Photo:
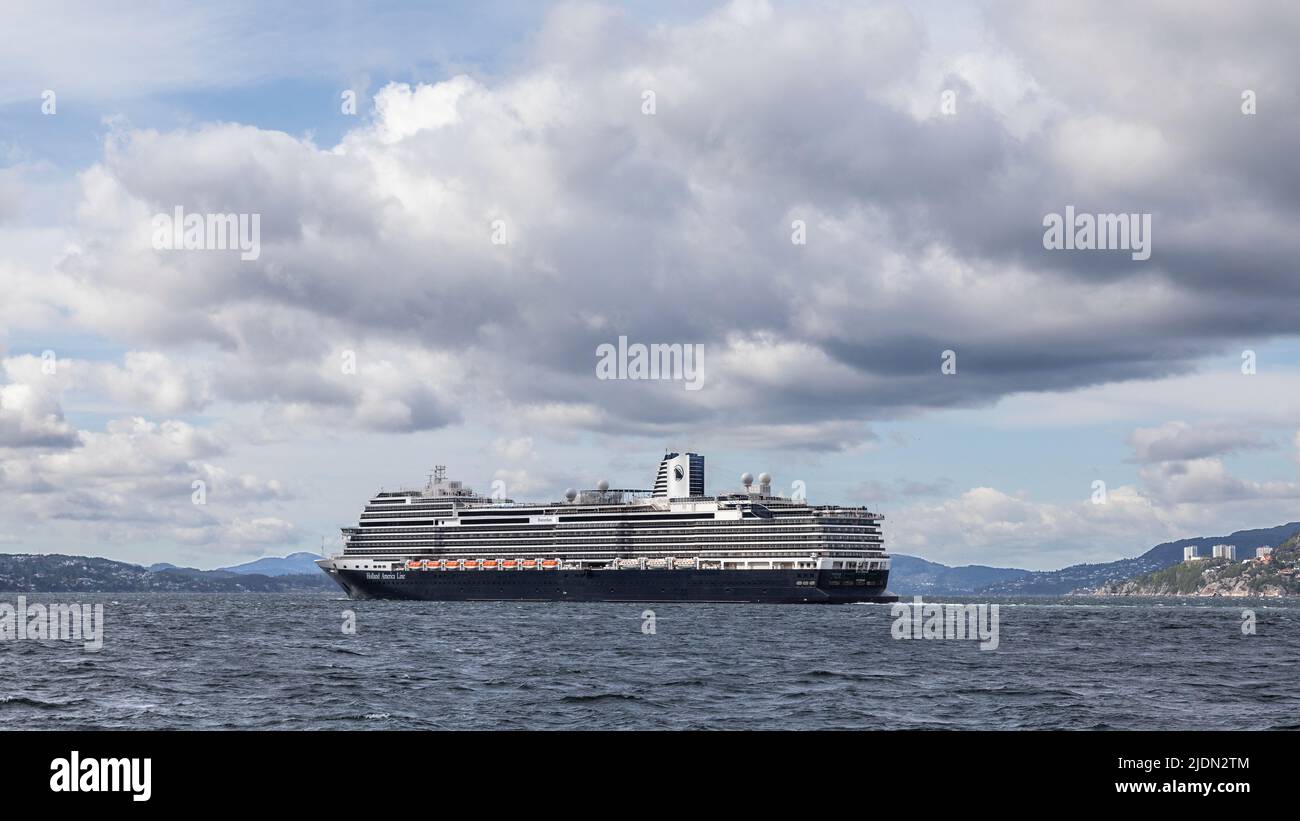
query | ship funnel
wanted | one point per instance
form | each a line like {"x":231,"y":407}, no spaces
{"x":680,"y":475}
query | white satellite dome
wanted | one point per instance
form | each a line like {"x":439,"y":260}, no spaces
{"x":747,"y":479}
{"x":602,"y":485}
{"x":765,"y":478}
{"x":570,"y":494}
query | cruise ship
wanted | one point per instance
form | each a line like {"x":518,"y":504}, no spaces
{"x":666,"y":544}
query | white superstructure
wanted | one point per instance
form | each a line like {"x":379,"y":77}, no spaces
{"x":446,"y":526}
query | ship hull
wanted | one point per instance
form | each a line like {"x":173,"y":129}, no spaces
{"x":686,"y":585}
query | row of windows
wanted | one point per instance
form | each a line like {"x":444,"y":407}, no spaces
{"x":686,"y":519}
{"x":605,"y":555}
{"x":543,"y":532}
{"x":786,"y":545}
{"x":674,"y":531}
{"x":535,"y":538}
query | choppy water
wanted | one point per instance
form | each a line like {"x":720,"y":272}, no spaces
{"x":283,"y":662}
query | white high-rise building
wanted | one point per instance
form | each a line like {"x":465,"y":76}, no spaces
{"x":1225,"y":551}
{"x":1192,"y":553}
{"x":1263,"y":552}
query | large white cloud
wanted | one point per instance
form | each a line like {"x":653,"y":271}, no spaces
{"x":923,"y":231}
{"x":988,"y":526}
{"x":31,"y":418}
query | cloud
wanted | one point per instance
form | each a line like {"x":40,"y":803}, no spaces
{"x":873,"y":492}
{"x":265,"y":530}
{"x":27,"y":419}
{"x":1176,"y":441}
{"x":145,"y":382}
{"x":30,"y":414}
{"x":1181,"y":464}
{"x":988,"y":526}
{"x":138,"y":479}
{"x":1207,"y":481}
{"x":89,"y":53}
{"x":515,"y":450}
{"x":924,"y":232}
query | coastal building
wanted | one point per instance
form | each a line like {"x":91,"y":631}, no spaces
{"x":1263,"y":552}
{"x":1225,"y":551}
{"x":1192,"y":553}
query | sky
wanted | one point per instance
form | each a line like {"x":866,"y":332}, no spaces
{"x":840,"y":205}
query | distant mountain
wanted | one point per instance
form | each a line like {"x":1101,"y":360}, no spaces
{"x":911,"y":576}
{"x":293,"y":564}
{"x":26,"y":573}
{"x":1088,"y":577}
{"x":154,"y":568}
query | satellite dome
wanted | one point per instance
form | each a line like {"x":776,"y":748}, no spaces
{"x":747,"y":479}
{"x":602,"y":485}
{"x":765,"y":478}
{"x":570,"y":494}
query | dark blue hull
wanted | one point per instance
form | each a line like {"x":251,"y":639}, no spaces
{"x":771,"y":586}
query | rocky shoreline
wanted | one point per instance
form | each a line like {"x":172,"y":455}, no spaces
{"x":1238,"y":589}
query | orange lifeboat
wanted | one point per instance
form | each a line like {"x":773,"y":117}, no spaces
{"x":451,"y":564}
{"x":530,"y":563}
{"x":470,"y":564}
{"x":509,"y":564}
{"x":489,"y":564}
{"x":432,"y":564}
{"x":415,"y":565}
{"x":550,"y":564}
